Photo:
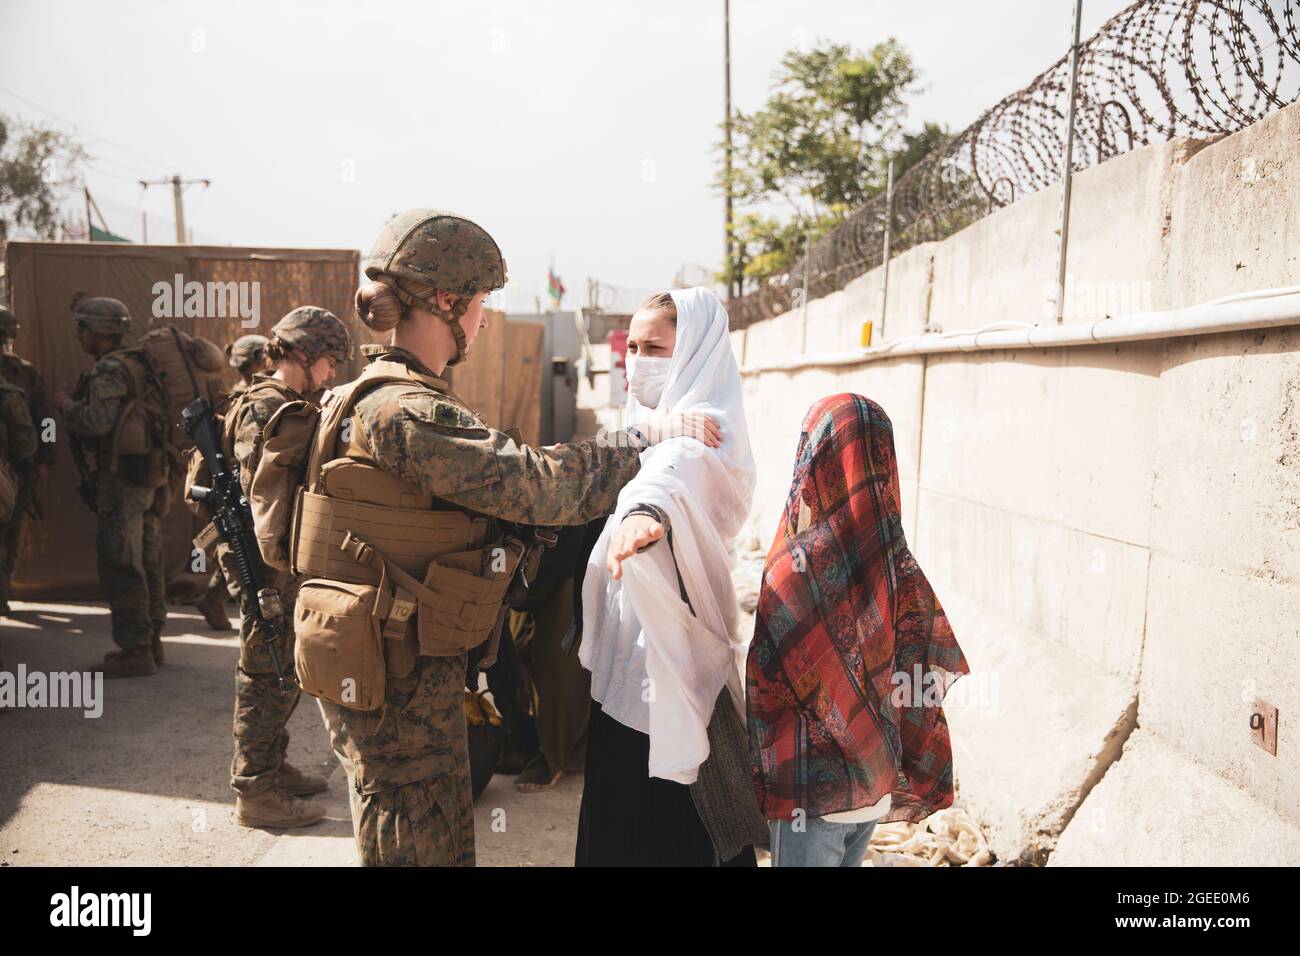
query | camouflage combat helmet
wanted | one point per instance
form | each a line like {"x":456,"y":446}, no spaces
{"x":442,"y":250}
{"x":246,"y":348}
{"x":8,"y":323}
{"x":101,"y":314}
{"x":315,"y":332}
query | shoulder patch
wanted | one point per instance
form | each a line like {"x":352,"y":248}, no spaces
{"x":436,"y":409}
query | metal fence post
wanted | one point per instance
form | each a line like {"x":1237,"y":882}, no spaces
{"x":1068,"y":176}
{"x":889,"y":233}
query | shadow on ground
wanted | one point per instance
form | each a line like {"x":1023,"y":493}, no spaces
{"x":147,"y":782}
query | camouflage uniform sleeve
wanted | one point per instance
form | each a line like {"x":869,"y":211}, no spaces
{"x":94,"y":415}
{"x":427,"y":439}
{"x":39,"y":405}
{"x":18,"y":424}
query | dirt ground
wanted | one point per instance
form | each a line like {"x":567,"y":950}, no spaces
{"x":147,"y":782}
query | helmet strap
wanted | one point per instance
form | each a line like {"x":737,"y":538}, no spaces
{"x":452,"y":317}
{"x":301,"y":359}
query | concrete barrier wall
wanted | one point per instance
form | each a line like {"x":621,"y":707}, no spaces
{"x":1114,"y":530}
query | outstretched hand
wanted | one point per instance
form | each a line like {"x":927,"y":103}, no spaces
{"x":634,"y":532}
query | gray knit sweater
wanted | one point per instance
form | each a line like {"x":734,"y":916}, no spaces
{"x":724,"y":790}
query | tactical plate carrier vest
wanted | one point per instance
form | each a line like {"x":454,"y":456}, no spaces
{"x":393,"y":575}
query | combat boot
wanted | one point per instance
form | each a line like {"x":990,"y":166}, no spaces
{"x":213,"y":608}
{"x":298,"y":783}
{"x":276,"y":808}
{"x":134,"y":661}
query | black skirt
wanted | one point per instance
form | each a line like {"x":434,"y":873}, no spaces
{"x":629,"y":818}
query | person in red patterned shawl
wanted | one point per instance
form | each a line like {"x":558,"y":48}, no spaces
{"x":852,"y":652}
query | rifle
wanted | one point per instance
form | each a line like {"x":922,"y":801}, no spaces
{"x":232,"y":520}
{"x":86,"y":484}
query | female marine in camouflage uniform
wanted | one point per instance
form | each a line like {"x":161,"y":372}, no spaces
{"x":305,"y":349}
{"x":407,"y":761}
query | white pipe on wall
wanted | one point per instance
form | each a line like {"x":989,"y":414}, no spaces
{"x":1261,"y":309}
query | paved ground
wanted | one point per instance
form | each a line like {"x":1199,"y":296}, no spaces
{"x":147,"y":782}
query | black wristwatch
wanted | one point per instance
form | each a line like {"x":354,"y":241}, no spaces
{"x":653,"y":511}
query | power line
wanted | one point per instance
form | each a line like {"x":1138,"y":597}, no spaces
{"x":85,"y":131}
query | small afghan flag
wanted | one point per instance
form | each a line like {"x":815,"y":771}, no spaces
{"x":554,"y":286}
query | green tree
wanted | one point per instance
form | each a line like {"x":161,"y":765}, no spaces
{"x":916,"y":146}
{"x":37,"y":165}
{"x":819,"y":149}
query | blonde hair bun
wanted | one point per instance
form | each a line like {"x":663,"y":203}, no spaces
{"x":378,"y":306}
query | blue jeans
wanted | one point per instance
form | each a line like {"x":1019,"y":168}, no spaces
{"x":820,"y":843}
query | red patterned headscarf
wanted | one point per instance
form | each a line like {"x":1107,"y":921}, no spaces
{"x":852,"y":652}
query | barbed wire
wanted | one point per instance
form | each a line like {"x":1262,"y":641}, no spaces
{"x":1157,"y":70}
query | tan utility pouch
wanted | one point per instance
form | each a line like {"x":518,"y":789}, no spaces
{"x":459,"y":602}
{"x":196,"y":473}
{"x":8,"y":492}
{"x":466,"y":597}
{"x":132,"y":436}
{"x":338,"y":645}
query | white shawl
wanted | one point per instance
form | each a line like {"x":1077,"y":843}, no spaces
{"x":654,"y":666}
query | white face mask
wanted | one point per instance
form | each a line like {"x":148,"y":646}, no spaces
{"x":646,"y":378}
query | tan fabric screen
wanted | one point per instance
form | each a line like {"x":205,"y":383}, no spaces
{"x":57,"y":556}
{"x":502,"y":378}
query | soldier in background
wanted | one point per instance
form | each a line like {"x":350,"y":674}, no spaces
{"x":22,"y":373}
{"x":247,"y":355}
{"x":109,"y":416}
{"x":305,"y":350}
{"x":17,"y":448}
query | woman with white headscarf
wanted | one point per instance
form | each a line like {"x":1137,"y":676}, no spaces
{"x":667,"y":775}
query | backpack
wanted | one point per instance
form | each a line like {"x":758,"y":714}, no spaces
{"x":286,"y":443}
{"x":186,"y":367}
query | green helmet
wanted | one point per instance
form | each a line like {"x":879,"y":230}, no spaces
{"x":8,"y":323}
{"x":315,"y":332}
{"x":101,"y":314}
{"x":246,"y":349}
{"x":443,"y":250}
{"x":440,"y":249}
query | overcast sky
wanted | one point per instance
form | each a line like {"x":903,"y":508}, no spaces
{"x":578,"y":130}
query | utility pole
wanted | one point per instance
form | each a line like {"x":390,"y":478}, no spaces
{"x":92,"y":205}
{"x":726,"y":53}
{"x":1067,"y":176}
{"x":177,"y":184}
